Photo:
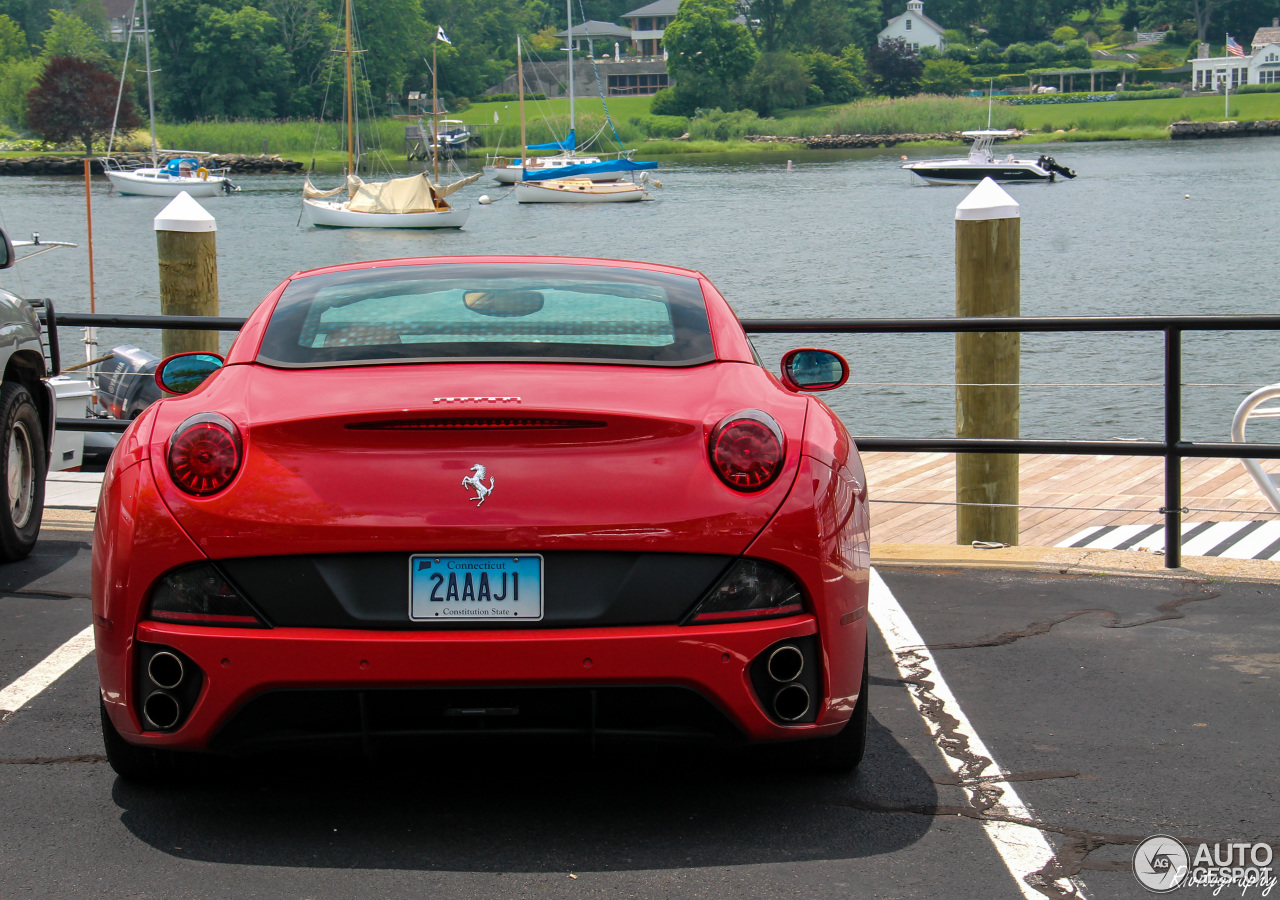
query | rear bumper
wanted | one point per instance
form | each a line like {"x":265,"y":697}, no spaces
{"x":241,"y":665}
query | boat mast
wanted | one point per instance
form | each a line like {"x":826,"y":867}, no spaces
{"x":568,"y":8}
{"x":435,"y":112}
{"x":524,"y":145}
{"x":351,"y":122}
{"x":151,"y":95}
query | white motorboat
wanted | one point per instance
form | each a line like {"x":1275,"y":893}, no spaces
{"x":579,"y":190}
{"x":177,"y":175}
{"x":982,"y":163}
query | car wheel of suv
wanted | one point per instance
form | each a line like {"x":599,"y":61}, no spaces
{"x":843,"y":752}
{"x":130,"y":762}
{"x":23,"y":467}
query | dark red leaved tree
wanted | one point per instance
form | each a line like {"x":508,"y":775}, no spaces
{"x":74,"y":100}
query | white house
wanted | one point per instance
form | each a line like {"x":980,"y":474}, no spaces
{"x":914,"y":27}
{"x":1262,"y":66}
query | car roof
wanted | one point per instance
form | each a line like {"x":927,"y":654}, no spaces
{"x":535,"y":260}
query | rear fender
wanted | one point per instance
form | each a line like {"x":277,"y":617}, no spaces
{"x":822,"y":534}
{"x":135,"y":541}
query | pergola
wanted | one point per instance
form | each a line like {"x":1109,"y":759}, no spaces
{"x":1067,"y":77}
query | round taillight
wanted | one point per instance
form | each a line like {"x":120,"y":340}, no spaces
{"x":747,"y":449}
{"x":204,"y":454}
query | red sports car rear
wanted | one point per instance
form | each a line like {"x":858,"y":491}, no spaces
{"x":424,"y":499}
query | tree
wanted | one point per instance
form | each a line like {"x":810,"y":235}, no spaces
{"x":1064,"y":33}
{"x":778,"y":81}
{"x":708,"y":54}
{"x":229,"y":66}
{"x":1046,"y":54}
{"x":17,"y":78}
{"x":945,"y":76}
{"x":76,"y":100}
{"x":832,"y":25}
{"x":307,"y":34}
{"x":13,"y":43}
{"x":831,"y":78}
{"x":773,"y":19}
{"x":895,"y":69}
{"x":70,"y":35}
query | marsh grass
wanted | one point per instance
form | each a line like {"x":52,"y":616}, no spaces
{"x":924,"y":114}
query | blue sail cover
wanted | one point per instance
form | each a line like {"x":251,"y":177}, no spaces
{"x":174,"y":166}
{"x":612,"y":165}
{"x":570,"y":143}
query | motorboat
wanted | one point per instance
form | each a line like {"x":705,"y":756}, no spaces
{"x":982,"y":163}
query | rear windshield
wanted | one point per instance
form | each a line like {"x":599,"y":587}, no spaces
{"x":503,"y":311}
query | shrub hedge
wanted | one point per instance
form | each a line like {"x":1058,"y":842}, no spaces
{"x":507,"y":98}
{"x":1149,"y":95}
{"x":1048,"y":99}
{"x":1258,"y":89}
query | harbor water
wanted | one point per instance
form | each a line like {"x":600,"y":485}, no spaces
{"x":1147,"y":228}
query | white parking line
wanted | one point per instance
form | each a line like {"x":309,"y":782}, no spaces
{"x":45,"y":673}
{"x":1025,"y":850}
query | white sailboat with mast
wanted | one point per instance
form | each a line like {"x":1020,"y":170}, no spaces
{"x":412,"y":202}
{"x":178,"y":175}
{"x":581,"y":182}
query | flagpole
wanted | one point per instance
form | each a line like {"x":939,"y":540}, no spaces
{"x":1226,"y":83}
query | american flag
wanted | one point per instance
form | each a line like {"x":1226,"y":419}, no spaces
{"x":1233,"y":48}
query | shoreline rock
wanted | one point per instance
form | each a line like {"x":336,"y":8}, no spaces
{"x":238,"y":164}
{"x":1182,"y":131}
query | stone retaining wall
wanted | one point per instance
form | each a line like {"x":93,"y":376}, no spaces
{"x":74,"y":165}
{"x":1181,"y":131}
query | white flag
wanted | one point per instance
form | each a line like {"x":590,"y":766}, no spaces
{"x":440,"y":35}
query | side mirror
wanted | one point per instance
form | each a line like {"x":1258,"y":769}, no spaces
{"x":9,"y":257}
{"x":814,"y":370}
{"x":182,"y":373}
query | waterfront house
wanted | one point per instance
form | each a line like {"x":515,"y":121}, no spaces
{"x":1261,"y":66}
{"x":608,"y":34}
{"x":118,"y":14}
{"x":914,"y":27}
{"x":648,"y":23}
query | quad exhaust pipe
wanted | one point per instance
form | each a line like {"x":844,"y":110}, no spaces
{"x":162,"y":710}
{"x":165,"y":670}
{"x":787,"y":679}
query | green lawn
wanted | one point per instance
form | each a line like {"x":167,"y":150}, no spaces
{"x":620,"y":108}
{"x":1144,"y":115}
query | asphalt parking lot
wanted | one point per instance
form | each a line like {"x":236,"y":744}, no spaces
{"x":1113,"y":707}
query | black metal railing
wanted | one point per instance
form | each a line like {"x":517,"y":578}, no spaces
{"x":1172,"y":448}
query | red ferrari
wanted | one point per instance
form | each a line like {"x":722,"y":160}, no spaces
{"x":469,"y":497}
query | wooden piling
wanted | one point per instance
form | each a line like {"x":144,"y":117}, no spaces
{"x":186,"y":239}
{"x":988,"y":274}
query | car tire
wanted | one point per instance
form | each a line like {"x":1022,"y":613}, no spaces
{"x":24,"y":465}
{"x":131,"y":762}
{"x":843,"y":752}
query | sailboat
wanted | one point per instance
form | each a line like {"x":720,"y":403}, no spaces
{"x":412,"y":202}
{"x":178,"y":175}
{"x":582,"y":181}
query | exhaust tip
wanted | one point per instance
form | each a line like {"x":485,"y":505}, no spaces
{"x":165,"y":670}
{"x":162,"y":711}
{"x":790,"y":703}
{"x":785,"y":663}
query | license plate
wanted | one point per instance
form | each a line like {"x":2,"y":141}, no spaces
{"x":475,"y":588}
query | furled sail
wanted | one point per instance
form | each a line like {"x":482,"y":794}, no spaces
{"x":458,"y":185}
{"x":570,"y":143}
{"x":311,"y":192}
{"x":583,"y":169}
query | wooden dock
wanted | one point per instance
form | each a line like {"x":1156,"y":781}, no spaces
{"x":913,"y":495}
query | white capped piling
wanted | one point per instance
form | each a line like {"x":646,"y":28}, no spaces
{"x":988,"y":283}
{"x":186,"y":240}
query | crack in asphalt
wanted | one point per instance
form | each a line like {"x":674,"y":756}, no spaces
{"x":1011,"y":776}
{"x":1170,"y":609}
{"x":1068,"y":861}
{"x":53,"y":760}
